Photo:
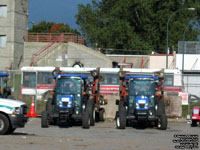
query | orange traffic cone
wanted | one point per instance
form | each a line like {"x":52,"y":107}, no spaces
{"x":32,"y":111}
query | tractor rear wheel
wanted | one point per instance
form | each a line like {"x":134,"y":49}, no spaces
{"x":161,"y":107}
{"x":91,"y":110}
{"x":102,"y":114}
{"x":121,"y":120}
{"x":44,"y":120}
{"x":163,"y":122}
{"x":86,"y":120}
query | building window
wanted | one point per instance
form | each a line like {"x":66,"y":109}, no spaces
{"x":3,"y":11}
{"x":3,"y":40}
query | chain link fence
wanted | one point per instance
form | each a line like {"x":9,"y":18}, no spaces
{"x":191,"y":84}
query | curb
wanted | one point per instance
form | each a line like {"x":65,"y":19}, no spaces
{"x":177,"y":120}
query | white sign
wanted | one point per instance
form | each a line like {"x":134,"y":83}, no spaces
{"x":184,"y":98}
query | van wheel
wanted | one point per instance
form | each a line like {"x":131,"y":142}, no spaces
{"x":44,"y":120}
{"x":10,"y":130}
{"x":4,"y":124}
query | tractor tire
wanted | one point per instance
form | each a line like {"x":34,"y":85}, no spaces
{"x":49,"y":109}
{"x":86,"y":120}
{"x":91,"y":110}
{"x":4,"y":124}
{"x":102,"y":114}
{"x":121,"y":106}
{"x":44,"y":120}
{"x":10,"y":130}
{"x":121,"y":120}
{"x":194,"y":123}
{"x":163,"y":122}
{"x":161,"y":108}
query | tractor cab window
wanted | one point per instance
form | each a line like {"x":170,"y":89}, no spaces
{"x":3,"y":82}
{"x":69,"y":85}
{"x":141,"y":87}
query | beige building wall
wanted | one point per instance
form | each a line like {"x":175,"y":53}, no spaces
{"x":159,"y":61}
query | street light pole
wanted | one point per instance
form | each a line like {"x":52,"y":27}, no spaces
{"x":167,"y":30}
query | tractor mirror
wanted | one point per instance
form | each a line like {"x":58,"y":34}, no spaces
{"x":117,"y":102}
{"x":121,"y":74}
{"x":94,"y":73}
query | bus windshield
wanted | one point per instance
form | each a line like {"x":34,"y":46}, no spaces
{"x":69,"y":85}
{"x":141,"y":87}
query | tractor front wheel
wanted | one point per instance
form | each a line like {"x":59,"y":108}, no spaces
{"x":121,"y":120}
{"x":86,"y":120}
{"x":44,"y":120}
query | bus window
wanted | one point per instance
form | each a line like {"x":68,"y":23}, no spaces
{"x":169,"y":79}
{"x":111,"y":79}
{"x":29,"y":79}
{"x":45,"y":78}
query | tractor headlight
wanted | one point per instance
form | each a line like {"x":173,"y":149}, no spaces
{"x":146,"y":106}
{"x":69,"y":104}
{"x":137,"y":106}
{"x":60,"y":104}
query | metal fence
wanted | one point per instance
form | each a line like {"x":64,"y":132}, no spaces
{"x":191,"y":84}
{"x":189,"y":47}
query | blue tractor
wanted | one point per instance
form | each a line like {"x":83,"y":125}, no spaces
{"x":5,"y":91}
{"x":140,"y":101}
{"x":74,"y":101}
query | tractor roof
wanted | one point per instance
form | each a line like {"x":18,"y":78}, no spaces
{"x":141,"y":77}
{"x":70,"y":75}
{"x":4,"y":74}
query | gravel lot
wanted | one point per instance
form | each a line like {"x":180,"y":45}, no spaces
{"x":103,"y":136}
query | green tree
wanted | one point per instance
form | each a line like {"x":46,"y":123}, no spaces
{"x":135,"y":24}
{"x":52,"y":27}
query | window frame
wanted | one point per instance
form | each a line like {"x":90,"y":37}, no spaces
{"x":3,"y":14}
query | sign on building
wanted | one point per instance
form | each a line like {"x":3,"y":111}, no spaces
{"x":184,"y":98}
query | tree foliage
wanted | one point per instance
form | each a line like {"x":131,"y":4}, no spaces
{"x":52,"y":27}
{"x":135,"y":24}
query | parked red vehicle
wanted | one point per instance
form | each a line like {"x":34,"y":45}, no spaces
{"x":195,"y":116}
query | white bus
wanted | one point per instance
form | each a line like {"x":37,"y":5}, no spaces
{"x":110,"y":85}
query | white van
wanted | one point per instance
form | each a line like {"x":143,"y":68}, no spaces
{"x":12,"y":115}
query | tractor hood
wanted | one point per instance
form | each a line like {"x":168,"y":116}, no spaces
{"x":10,"y":102}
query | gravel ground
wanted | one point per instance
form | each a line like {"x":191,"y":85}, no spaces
{"x":103,"y":136}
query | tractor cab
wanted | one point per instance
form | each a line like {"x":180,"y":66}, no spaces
{"x":74,"y":99}
{"x":5,"y":91}
{"x":140,"y":100}
{"x":68,"y":93}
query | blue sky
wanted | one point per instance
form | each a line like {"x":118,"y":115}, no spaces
{"x":55,"y":11}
